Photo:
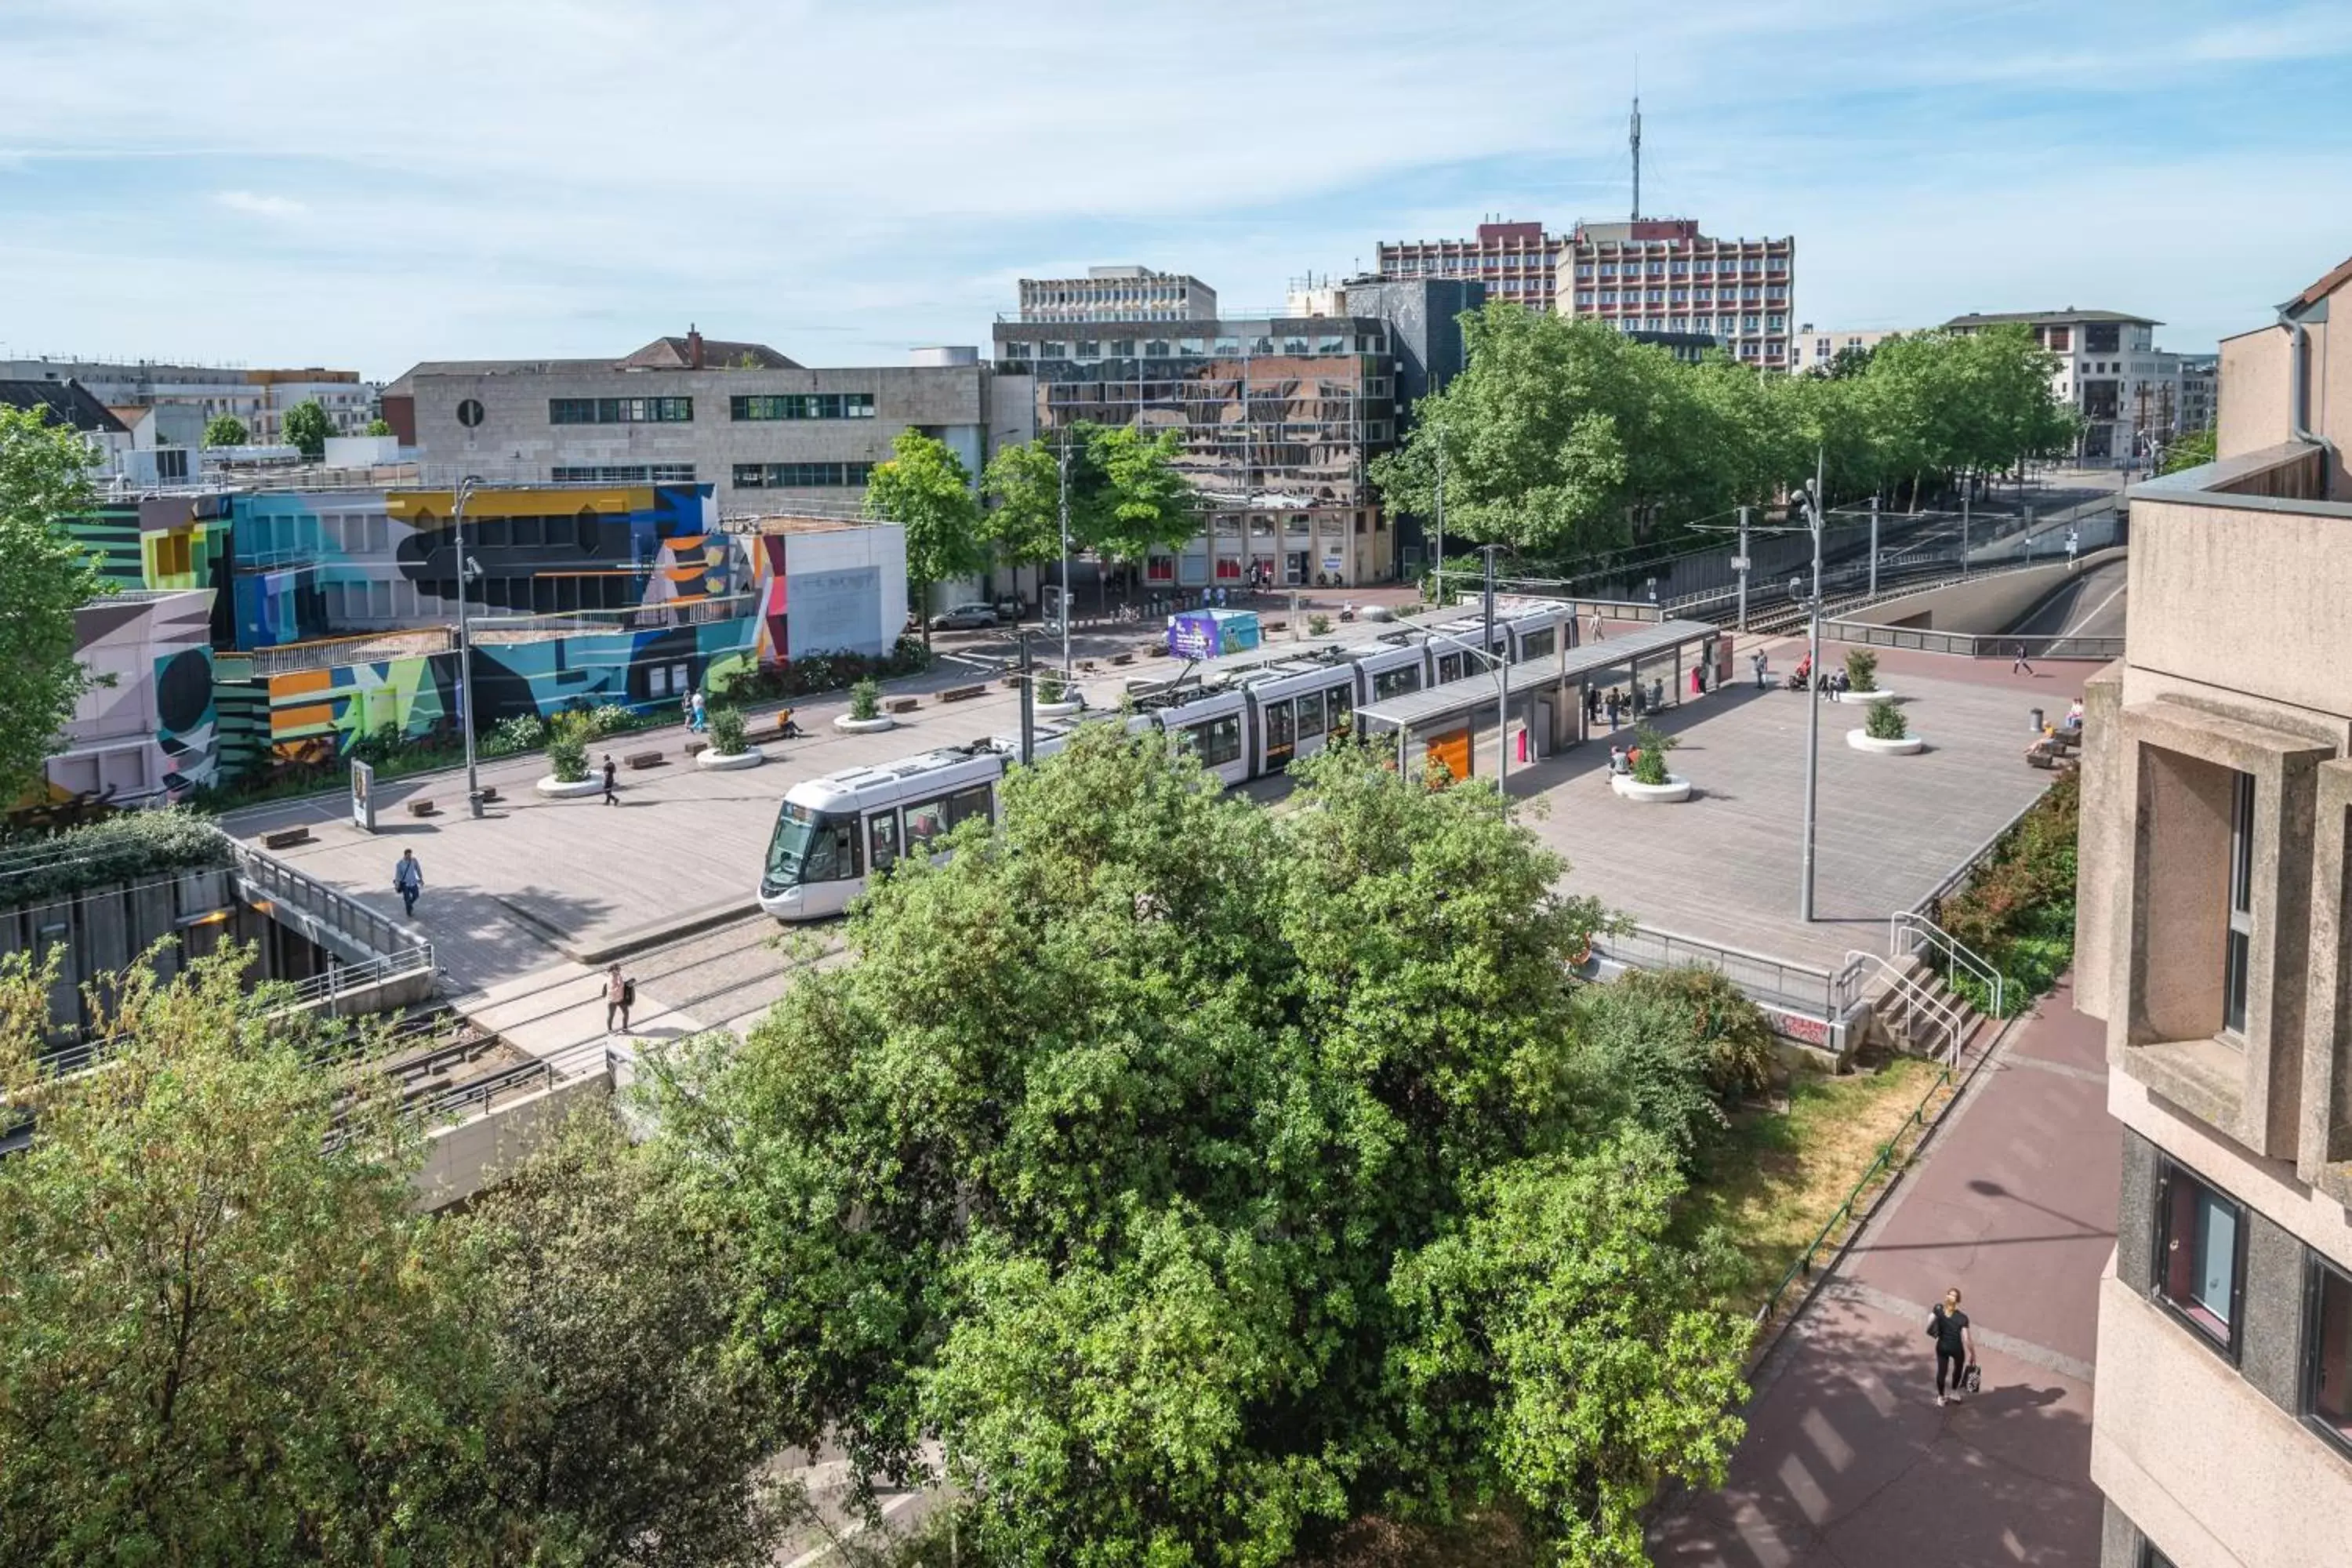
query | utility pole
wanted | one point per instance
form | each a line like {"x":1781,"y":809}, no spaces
{"x":1873,"y":545}
{"x":1502,"y":690}
{"x":466,"y":648}
{"x":1743,"y":568}
{"x":1066,"y":551}
{"x":1028,"y":707}
{"x":1967,"y":488}
{"x":1438,"y":572}
{"x":1812,"y":699}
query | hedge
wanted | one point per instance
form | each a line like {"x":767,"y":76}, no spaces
{"x":125,"y":847}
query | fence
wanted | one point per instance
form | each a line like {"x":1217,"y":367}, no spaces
{"x":1972,"y":645}
{"x":334,"y":921}
{"x":1793,"y":990}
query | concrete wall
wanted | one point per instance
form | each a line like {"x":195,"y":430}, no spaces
{"x":461,"y":1161}
{"x":1984,"y":607}
{"x":2254,"y":402}
{"x":2244,"y":601}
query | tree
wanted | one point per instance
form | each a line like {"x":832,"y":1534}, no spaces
{"x":217,"y":1343}
{"x":626,"y":1431}
{"x":225,"y":430}
{"x":2192,"y":450}
{"x":1112,"y":1156}
{"x":1127,"y":498}
{"x":44,"y":577}
{"x":1147,"y":504}
{"x":379,"y":427}
{"x":927,"y":490}
{"x":1025,"y":482}
{"x":306,"y":426}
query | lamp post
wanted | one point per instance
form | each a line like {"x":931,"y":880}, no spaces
{"x":1813,"y":504}
{"x":466,"y":646}
{"x":1064,"y":509}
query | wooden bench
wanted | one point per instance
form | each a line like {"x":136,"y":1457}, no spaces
{"x":286,"y":838}
{"x":1014,"y":682}
{"x":422,"y":808}
{"x":902,"y":705}
{"x":1122,"y":658}
{"x":639,"y":760}
{"x":696,"y":748}
{"x":963,"y":693}
{"x":486,"y":793}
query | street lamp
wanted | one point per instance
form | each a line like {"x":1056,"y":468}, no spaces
{"x":1811,"y":501}
{"x":466,"y":572}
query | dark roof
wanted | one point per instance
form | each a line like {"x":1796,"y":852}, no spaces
{"x":718,"y":353}
{"x":1996,"y":318}
{"x":69,"y":402}
{"x":2325,"y":286}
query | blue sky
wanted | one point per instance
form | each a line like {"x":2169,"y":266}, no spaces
{"x":272,"y":185}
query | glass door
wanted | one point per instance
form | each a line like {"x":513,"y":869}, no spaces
{"x":1281,"y":735}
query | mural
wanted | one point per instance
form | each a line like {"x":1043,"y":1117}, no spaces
{"x":147,"y":728}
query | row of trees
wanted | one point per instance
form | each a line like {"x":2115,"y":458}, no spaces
{"x":1195,"y":1180}
{"x":1570,"y":441}
{"x":1126,"y":499}
{"x":306,"y":426}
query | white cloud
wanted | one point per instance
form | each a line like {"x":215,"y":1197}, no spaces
{"x":259,"y":205}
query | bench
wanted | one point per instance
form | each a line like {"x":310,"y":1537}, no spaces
{"x":422,"y":808}
{"x":902,"y":705}
{"x":286,"y":838}
{"x":963,"y":693}
{"x":639,"y":760}
{"x":486,"y":793}
{"x":1122,"y":658}
{"x":1014,"y":682}
{"x":696,"y":748}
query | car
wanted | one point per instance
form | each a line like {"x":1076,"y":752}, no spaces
{"x":964,"y":617}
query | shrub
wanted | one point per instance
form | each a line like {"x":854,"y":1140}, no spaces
{"x":1318,"y":624}
{"x":727,"y":736}
{"x":567,"y":747}
{"x":1673,"y":1049}
{"x":127,"y":847}
{"x":866,"y":700}
{"x":2016,"y":911}
{"x":1862,"y":668}
{"x":1886,"y":722}
{"x":521,"y":732}
{"x":1049,"y":686}
{"x":377,"y":747}
{"x":1650,"y":767}
{"x":610,"y":719}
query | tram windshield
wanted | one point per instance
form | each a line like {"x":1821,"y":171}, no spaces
{"x":813,"y":846}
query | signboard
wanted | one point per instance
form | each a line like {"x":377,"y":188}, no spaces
{"x":1206,"y":634}
{"x":363,"y":797}
{"x":833,"y":611}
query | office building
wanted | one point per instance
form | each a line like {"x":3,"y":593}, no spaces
{"x":765,"y":433}
{"x":2214,"y":939}
{"x":1280,"y":417}
{"x":2109,"y":370}
{"x":1817,"y":348}
{"x":1515,"y":261}
{"x":1118,"y":294}
{"x":186,"y":397}
{"x":2200,"y":382}
{"x":1661,"y":275}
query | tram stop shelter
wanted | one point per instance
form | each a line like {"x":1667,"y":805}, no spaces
{"x":1545,"y":697}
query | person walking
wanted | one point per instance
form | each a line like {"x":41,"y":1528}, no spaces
{"x":2021,"y":661}
{"x":1955,"y":1346}
{"x":1763,"y":670}
{"x":1840,"y":684}
{"x":696,"y":713}
{"x":620,"y":995}
{"x":612,"y":782}
{"x":1611,"y":705}
{"x":408,"y":881}
{"x":686,"y":708}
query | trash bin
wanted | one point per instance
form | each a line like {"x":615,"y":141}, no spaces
{"x":2037,"y":720}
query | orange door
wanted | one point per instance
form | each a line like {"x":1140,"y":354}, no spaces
{"x":1451,"y":752}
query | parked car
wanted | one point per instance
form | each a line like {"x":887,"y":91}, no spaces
{"x":964,"y":617}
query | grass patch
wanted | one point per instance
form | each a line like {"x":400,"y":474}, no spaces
{"x":1779,"y":1177}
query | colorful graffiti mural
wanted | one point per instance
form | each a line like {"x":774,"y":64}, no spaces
{"x":147,"y":728}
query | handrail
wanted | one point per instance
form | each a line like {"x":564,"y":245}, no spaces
{"x":1919,"y":929}
{"x":1931,"y":904}
{"x":1943,"y":1012}
{"x":1792,"y":987}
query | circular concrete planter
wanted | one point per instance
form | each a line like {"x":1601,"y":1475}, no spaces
{"x":1058,"y":709}
{"x":554,"y":788}
{"x":711,"y":761}
{"x":874,"y":726}
{"x":1863,"y":741}
{"x":1675,"y":788}
{"x":1873,"y":696}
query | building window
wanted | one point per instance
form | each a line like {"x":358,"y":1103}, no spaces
{"x":2201,"y":1255}
{"x":800,"y":476}
{"x":812,"y":405}
{"x":1090,"y":348}
{"x":2327,"y":1351}
{"x":1608,"y":270}
{"x":2150,"y":1557}
{"x":2101,"y":338}
{"x":1016,"y":351}
{"x":1053,"y":349}
{"x":2237,"y":961}
{"x":620,"y":410}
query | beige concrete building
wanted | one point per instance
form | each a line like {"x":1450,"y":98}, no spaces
{"x":2214,"y":942}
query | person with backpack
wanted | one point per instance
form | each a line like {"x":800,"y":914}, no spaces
{"x":620,"y":995}
{"x":1955,"y":1346}
{"x":408,"y":881}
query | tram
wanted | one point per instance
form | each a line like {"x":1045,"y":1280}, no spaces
{"x":1243,"y":716}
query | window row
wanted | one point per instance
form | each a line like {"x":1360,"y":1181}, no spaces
{"x":1189,"y":348}
{"x":800,"y":476}
{"x":623,"y":474}
{"x":620,"y":410}
{"x":802,"y":405}
{"x":1216,"y":742}
{"x":1749,"y":268}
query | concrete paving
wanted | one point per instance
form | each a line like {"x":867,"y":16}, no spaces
{"x":1849,"y":1462}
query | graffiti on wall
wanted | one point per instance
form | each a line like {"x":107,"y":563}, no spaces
{"x":147,"y":727}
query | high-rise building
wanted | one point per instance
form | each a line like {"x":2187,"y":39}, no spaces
{"x":2109,"y":369}
{"x":1661,"y":275}
{"x":1118,"y":294}
{"x":2214,"y":938}
{"x":1515,"y":261}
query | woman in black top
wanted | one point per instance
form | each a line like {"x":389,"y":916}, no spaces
{"x":1956,"y":1348}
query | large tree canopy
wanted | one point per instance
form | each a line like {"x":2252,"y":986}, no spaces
{"x":1202,"y":1178}
{"x":926,"y":490}
{"x":1126,"y":496}
{"x":44,"y":577}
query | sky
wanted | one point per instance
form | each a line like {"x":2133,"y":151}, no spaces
{"x":366,"y":187}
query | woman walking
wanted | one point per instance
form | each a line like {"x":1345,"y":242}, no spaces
{"x":1955,"y":1347}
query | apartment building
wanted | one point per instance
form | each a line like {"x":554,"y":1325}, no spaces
{"x":2109,"y":369}
{"x":1817,"y":348}
{"x":2215,"y":941}
{"x":1118,"y":294}
{"x":2200,"y":386}
{"x":1280,"y":417}
{"x":1661,"y":275}
{"x":1516,"y":261}
{"x":186,"y":397}
{"x":767,"y":433}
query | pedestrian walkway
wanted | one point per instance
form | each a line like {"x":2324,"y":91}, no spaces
{"x":1849,"y":1462}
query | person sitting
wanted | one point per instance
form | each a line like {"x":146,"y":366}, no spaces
{"x":2074,"y":714}
{"x":1618,"y":761}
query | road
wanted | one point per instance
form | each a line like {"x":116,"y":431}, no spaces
{"x":2089,"y":606}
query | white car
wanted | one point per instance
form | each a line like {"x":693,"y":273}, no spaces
{"x":964,"y":617}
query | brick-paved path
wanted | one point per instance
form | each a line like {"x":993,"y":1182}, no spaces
{"x":1849,"y":1463}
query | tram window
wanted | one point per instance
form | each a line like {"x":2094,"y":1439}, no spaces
{"x":967,"y":804}
{"x":1395,"y":682}
{"x":926,"y":823}
{"x":1310,"y":715}
{"x":882,"y":839}
{"x":1341,"y":703}
{"x":813,"y":847}
{"x":1538,"y":645}
{"x":1216,"y":742}
{"x":1449,"y":668}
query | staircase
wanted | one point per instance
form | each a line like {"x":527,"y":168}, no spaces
{"x":1917,"y":1011}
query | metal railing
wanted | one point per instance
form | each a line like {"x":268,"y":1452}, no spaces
{"x":338,"y":980}
{"x":1918,"y":1004}
{"x":1907,"y":932}
{"x":360,"y":647}
{"x":1774,"y":983}
{"x":1974,"y":645}
{"x":1931,"y":905}
{"x":278,"y":887}
{"x":475,"y":1097}
{"x":635,"y":617}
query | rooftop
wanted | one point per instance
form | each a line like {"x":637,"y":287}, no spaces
{"x":67,"y":402}
{"x":662,"y":354}
{"x":2000,"y":318}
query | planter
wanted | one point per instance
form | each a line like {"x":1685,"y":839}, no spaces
{"x":554,"y":788}
{"x":1863,"y":741}
{"x":1873,"y":696}
{"x":874,"y":726}
{"x":1058,"y":709}
{"x":712,"y":762}
{"x":1675,"y":788}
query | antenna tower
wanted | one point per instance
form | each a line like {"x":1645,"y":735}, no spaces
{"x":1637,"y":140}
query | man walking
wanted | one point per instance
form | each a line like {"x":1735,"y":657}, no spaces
{"x":409,"y":880}
{"x":620,"y":995}
{"x":2019,"y":662}
{"x":612,"y":782}
{"x":1763,"y":669}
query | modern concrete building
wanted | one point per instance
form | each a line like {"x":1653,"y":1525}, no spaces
{"x":2200,"y":383}
{"x":1661,"y":275}
{"x":1118,"y":294}
{"x":768,"y":434}
{"x":1817,"y":348}
{"x":2109,"y":370}
{"x":1515,"y":261}
{"x":2215,"y":941}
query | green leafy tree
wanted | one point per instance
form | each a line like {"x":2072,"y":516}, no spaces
{"x":1147,"y":1154}
{"x":217,"y":1343}
{"x":2192,"y":450}
{"x":1024,"y":481}
{"x":926,"y":490}
{"x":307,"y":426}
{"x":1127,"y":497}
{"x":1147,"y":504}
{"x":378,"y":427}
{"x":225,"y":430}
{"x":44,"y":577}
